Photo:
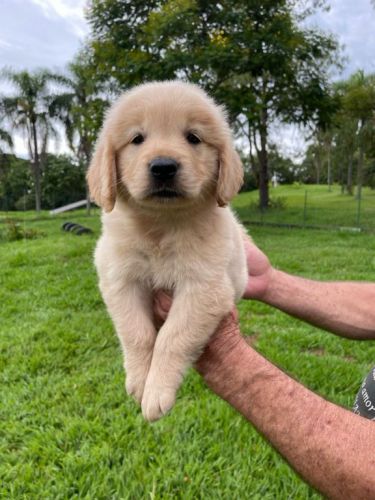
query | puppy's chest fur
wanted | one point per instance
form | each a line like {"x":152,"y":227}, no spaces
{"x":178,"y":256}
{"x":163,"y":265}
{"x":169,"y":256}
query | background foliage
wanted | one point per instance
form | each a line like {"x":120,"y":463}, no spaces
{"x":258,"y":58}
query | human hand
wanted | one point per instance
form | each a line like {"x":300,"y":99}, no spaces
{"x":221,"y":351}
{"x":226,"y":330}
{"x":162,"y":304}
{"x":260,"y":271}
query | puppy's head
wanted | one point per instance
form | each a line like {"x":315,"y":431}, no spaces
{"x":164,"y":144}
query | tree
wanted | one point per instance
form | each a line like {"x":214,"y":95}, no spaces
{"x":358,"y":103}
{"x":125,"y":54}
{"x":15,"y":182}
{"x":323,"y":142}
{"x":80,"y":109}
{"x":63,"y":181}
{"x":345,"y":134}
{"x":254,"y":56}
{"x":28,"y":112}
{"x":13,"y":172}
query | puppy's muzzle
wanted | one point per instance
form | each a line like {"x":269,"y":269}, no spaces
{"x":163,"y":169}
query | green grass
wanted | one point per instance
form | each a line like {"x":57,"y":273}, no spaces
{"x":311,"y":205}
{"x":69,"y":431}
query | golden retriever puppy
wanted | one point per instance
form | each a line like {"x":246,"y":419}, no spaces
{"x":164,"y":170}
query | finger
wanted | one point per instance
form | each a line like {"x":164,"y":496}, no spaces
{"x":159,"y":313}
{"x":161,"y":304}
{"x":164,"y":300}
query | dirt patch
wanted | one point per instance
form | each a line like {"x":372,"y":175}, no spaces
{"x":351,"y":359}
{"x":316,"y":351}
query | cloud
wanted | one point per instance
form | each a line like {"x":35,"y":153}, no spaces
{"x":4,"y":43}
{"x":40,"y":33}
{"x":353,"y":23}
{"x":72,"y":11}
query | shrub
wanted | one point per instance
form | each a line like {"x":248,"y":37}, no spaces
{"x":26,"y":202}
{"x":14,"y":231}
{"x":278,"y":203}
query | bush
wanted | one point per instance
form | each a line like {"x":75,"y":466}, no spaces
{"x":15,"y":182}
{"x":63,"y":182}
{"x":14,"y":231}
{"x":278,"y":203}
{"x":249,"y":182}
{"x":26,"y":202}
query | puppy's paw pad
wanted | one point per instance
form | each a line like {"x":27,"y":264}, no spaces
{"x":155,"y":404}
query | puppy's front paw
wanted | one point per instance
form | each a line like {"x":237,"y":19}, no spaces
{"x":134,"y":388}
{"x":157,"y":401}
{"x":135,"y":382}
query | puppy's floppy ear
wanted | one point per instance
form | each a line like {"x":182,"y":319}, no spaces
{"x":101,"y":175}
{"x":230,"y":177}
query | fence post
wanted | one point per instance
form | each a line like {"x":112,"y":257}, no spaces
{"x":359,"y":208}
{"x":305,"y":209}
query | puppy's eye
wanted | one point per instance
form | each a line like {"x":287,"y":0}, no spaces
{"x":193,"y":138}
{"x":138,"y":139}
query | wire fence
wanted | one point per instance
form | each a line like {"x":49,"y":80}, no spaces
{"x":312,"y":210}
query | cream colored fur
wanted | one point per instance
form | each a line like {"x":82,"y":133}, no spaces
{"x":190,"y":245}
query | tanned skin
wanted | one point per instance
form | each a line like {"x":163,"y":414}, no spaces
{"x":329,"y":446}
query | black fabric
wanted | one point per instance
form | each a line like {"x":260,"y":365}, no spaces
{"x":364,"y":403}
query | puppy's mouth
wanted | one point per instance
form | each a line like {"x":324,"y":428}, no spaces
{"x":165,"y":193}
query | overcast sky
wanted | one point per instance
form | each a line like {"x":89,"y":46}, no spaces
{"x":47,"y":33}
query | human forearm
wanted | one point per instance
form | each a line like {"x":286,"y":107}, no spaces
{"x":344,"y":308}
{"x":328,"y":446}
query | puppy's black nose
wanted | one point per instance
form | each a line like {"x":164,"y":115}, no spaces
{"x":163,"y":169}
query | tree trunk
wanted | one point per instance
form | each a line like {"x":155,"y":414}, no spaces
{"x":263,"y":163}
{"x":36,"y":170}
{"x":37,"y":186}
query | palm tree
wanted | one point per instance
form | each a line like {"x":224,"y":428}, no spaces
{"x":28,"y":112}
{"x":81,"y":110}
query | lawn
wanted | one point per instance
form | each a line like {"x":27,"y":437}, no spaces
{"x":69,"y":431}
{"x":311,"y":205}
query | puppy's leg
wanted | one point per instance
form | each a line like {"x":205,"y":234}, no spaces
{"x":195,"y":313}
{"x":131,"y":310}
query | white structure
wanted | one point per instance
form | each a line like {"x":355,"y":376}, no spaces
{"x":66,"y":208}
